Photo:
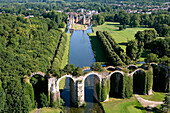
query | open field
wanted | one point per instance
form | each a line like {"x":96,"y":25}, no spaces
{"x":123,"y":106}
{"x":121,"y":37}
{"x":66,"y":55}
{"x":156,"y":97}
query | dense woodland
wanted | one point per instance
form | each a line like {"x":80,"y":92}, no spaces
{"x":27,"y":46}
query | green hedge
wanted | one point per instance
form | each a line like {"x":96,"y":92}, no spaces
{"x":114,"y":59}
{"x":149,"y":81}
{"x":29,"y":91}
{"x":59,"y":52}
{"x":127,"y":86}
{"x":119,"y":51}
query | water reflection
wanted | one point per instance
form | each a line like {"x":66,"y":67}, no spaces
{"x":91,"y":104}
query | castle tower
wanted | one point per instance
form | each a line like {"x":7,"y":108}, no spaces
{"x":84,"y":19}
{"x":77,"y":19}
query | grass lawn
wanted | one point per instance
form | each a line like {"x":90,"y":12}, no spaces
{"x":97,"y":49}
{"x":67,"y":49}
{"x":123,"y":106}
{"x":156,"y":97}
{"x":50,"y":110}
{"x":121,"y":37}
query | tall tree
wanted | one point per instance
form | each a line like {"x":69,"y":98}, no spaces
{"x":132,"y":49}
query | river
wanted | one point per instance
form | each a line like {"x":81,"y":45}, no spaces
{"x":81,"y":54}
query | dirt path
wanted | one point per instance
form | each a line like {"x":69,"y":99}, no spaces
{"x":146,"y":103}
{"x":38,"y":110}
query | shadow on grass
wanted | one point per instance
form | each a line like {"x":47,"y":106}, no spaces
{"x":113,"y":24}
{"x":98,"y":50}
{"x":141,"y":108}
{"x":145,"y":53}
{"x":156,"y":110}
{"x":123,"y":43}
{"x":153,"y":110}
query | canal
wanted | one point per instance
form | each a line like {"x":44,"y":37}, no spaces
{"x":81,"y":54}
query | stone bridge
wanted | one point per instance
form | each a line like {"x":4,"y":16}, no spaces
{"x":77,"y":84}
{"x":78,"y":94}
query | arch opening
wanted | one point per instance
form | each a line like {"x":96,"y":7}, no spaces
{"x":40,"y":85}
{"x":139,"y":82}
{"x":91,"y":88}
{"x":116,"y":85}
{"x":67,"y":91}
{"x":111,"y":69}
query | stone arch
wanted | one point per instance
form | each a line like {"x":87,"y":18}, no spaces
{"x":91,"y":73}
{"x":38,"y":73}
{"x":58,"y":81}
{"x":131,"y":65}
{"x":139,"y":81}
{"x":110,"y":67}
{"x":69,"y":90}
{"x":121,"y":72}
{"x":153,"y":63}
{"x":116,"y":84}
{"x":96,"y":80}
{"x":139,"y":69}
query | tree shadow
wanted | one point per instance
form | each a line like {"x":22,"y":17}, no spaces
{"x":123,"y":43}
{"x":141,"y":108}
{"x":113,"y":24}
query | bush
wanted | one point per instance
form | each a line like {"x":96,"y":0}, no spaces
{"x":152,"y":58}
{"x":62,"y":25}
{"x":124,"y":26}
{"x":97,"y":66}
{"x":43,"y":100}
{"x":120,"y":28}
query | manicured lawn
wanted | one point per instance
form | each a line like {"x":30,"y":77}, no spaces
{"x":120,"y":37}
{"x":156,"y":97}
{"x":123,"y":106}
{"x":97,"y":49}
{"x":66,"y":55}
{"x":50,"y":110}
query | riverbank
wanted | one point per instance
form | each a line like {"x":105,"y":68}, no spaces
{"x":98,"y":50}
{"x":66,"y":53}
{"x":78,"y":27}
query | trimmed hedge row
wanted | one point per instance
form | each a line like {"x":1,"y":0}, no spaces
{"x":127,"y":86}
{"x":113,"y":57}
{"x":119,"y":51}
{"x":59,"y":52}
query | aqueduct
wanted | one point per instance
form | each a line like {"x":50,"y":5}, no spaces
{"x":78,"y":94}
